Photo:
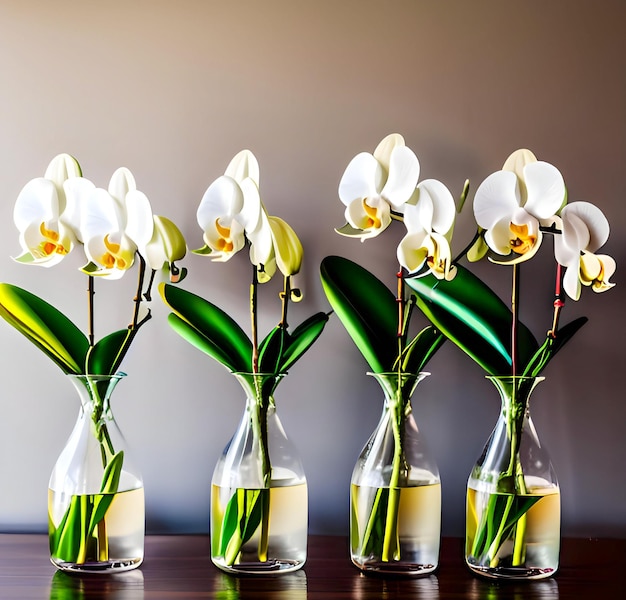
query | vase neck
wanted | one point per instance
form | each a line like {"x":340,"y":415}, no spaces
{"x":259,"y":387}
{"x":95,"y":390}
{"x":398,"y":387}
{"x":515,"y":392}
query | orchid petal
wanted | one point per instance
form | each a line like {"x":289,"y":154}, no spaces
{"x":404,"y":171}
{"x":496,"y":198}
{"x":419,"y":216}
{"x":412,"y":251}
{"x":385,"y":148}
{"x":594,"y":220}
{"x":101,"y":215}
{"x":37,"y":201}
{"x":261,"y":244}
{"x":573,"y":239}
{"x":442,"y":202}
{"x":77,"y":190}
{"x":122,"y":181}
{"x":139,"y":221}
{"x":243,"y":165}
{"x":61,"y":168}
{"x":361,"y":179}
{"x":223,"y":197}
{"x":518,"y":160}
{"x":545,"y":187}
{"x":251,"y":212}
{"x":571,"y":282}
{"x":372,"y":216}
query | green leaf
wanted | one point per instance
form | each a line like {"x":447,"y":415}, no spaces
{"x":271,"y":350}
{"x":301,"y":339}
{"x":210,"y":328}
{"x":106,"y":355}
{"x":471,"y":315}
{"x":366,"y":307}
{"x":108,"y":489}
{"x":551,"y":346}
{"x":243,"y":515}
{"x":45,"y":326}
{"x":421,"y":349}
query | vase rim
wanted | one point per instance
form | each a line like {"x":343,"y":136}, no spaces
{"x":537,"y":378}
{"x":95,"y":376}
{"x":402,"y":374}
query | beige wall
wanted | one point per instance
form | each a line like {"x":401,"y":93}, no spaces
{"x":173,"y":90}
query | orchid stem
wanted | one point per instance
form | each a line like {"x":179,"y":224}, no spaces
{"x":137,"y":298}
{"x":515,"y":319}
{"x":559,"y":302}
{"x":284,"y":296}
{"x":253,"y":319}
{"x":90,"y":309}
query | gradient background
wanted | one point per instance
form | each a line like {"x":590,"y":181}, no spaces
{"x":172,"y":90}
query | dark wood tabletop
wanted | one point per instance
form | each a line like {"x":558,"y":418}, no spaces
{"x":179,"y":566}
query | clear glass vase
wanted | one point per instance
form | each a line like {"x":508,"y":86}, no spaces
{"x":96,"y":511}
{"x":395,"y":516}
{"x":513,"y":500}
{"x":259,"y":506}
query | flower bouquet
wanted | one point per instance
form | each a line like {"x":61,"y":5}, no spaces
{"x":259,"y":494}
{"x":513,"y":508}
{"x":395,"y":492}
{"x":95,"y":493}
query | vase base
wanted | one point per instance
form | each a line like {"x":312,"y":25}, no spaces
{"x":103,"y":567}
{"x":395,"y":568}
{"x":269,"y":567}
{"x":518,"y":573}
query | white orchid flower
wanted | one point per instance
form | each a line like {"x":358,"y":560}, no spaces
{"x":429,"y":217}
{"x":374,"y":185}
{"x":231,"y":212}
{"x":45,"y":237}
{"x":512,"y":204}
{"x":115,"y":224}
{"x":584,"y":229}
{"x":166,"y":246}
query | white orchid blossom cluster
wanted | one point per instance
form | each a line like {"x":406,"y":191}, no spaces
{"x":518,"y":204}
{"x":232,"y":216}
{"x":380,"y":187}
{"x":62,"y":210}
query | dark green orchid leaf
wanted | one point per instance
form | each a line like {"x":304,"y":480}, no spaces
{"x":301,"y":339}
{"x":271,"y":350}
{"x":421,"y":349}
{"x":366,"y":307}
{"x":204,"y":344}
{"x":108,"y":489}
{"x":105,"y":357}
{"x":471,"y":315}
{"x":551,"y":346}
{"x":224,"y":340}
{"x":45,"y":326}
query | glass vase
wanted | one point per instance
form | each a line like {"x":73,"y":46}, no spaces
{"x":259,"y":509}
{"x":513,"y":499}
{"x":395,"y":516}
{"x":96,"y":512}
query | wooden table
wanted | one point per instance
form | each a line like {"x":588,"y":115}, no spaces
{"x":179,"y":566}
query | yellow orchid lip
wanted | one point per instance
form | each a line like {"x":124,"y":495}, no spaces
{"x":50,"y":244}
{"x":523,"y":242}
{"x":372,"y":219}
